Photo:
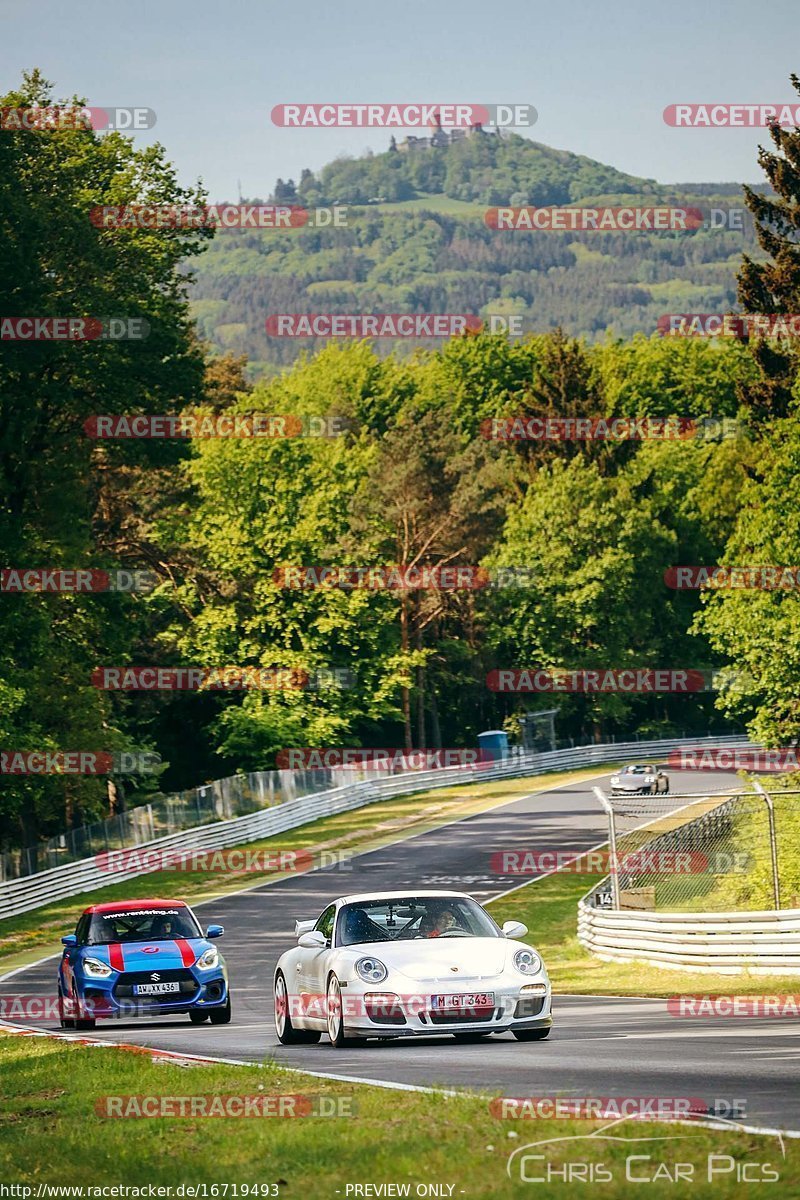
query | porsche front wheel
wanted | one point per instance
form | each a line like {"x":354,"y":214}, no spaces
{"x":287,"y":1034}
{"x":335,"y":1018}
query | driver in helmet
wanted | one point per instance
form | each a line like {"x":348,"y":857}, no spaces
{"x":436,"y":924}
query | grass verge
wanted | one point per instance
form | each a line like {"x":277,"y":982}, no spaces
{"x":51,"y":1133}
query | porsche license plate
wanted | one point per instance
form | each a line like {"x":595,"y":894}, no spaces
{"x":155,"y":989}
{"x":464,"y":1000}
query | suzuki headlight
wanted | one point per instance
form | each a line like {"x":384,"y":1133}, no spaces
{"x":209,"y":959}
{"x":97,"y":969}
{"x":371,"y":970}
{"x":527,"y":962}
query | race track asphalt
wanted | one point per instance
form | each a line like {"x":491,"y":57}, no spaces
{"x":599,"y":1046}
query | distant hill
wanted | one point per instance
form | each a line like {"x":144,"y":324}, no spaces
{"x":481,"y":167}
{"x":416,"y":240}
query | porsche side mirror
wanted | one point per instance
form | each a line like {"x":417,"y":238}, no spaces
{"x":313,"y":940}
{"x":215,"y":931}
{"x":69,"y":940}
{"x":514,"y":929}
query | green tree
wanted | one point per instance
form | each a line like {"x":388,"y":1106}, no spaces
{"x":598,"y":547}
{"x":758,"y":630}
{"x":55,"y":263}
{"x":265,"y":504}
{"x":426,"y":503}
{"x":773,"y":286}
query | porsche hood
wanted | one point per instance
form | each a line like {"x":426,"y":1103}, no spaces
{"x":440,"y":958}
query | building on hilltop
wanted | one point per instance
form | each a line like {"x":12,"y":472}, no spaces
{"x":441,"y":138}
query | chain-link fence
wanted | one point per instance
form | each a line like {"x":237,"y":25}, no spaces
{"x":712,"y":852}
{"x":235,"y":796}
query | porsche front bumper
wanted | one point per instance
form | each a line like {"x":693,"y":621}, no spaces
{"x":391,"y":1014}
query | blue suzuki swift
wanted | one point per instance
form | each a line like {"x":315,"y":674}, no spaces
{"x":141,"y":958}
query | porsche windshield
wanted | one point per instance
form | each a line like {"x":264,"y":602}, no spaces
{"x":412,"y":917}
{"x":638,"y":770}
{"x":143,"y":925}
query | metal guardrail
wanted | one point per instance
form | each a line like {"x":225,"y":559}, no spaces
{"x":764,"y":943}
{"x":72,"y":879}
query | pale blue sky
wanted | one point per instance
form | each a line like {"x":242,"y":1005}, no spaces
{"x":599,"y":73}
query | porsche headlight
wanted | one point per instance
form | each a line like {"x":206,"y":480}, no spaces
{"x":371,"y":970}
{"x":97,"y":969}
{"x":209,"y":959}
{"x":527,"y":962}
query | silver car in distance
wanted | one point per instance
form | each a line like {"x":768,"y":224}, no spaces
{"x":640,"y":777}
{"x":404,"y":964}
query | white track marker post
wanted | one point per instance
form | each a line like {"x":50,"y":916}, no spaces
{"x":612,"y":843}
{"x":773,"y":841}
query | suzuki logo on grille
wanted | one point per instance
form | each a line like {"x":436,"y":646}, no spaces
{"x":155,"y":977}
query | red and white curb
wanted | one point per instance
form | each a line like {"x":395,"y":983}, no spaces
{"x":170,"y":1056}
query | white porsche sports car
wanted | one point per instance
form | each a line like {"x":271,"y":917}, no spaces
{"x":399,"y":964}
